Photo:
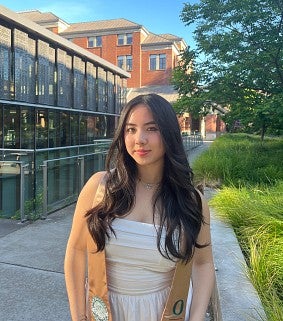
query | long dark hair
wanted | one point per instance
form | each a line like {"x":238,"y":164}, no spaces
{"x":177,"y":201}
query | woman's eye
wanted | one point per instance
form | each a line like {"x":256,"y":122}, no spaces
{"x":152,"y":129}
{"x":130,"y":130}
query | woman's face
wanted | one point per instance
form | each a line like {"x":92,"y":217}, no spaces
{"x":142,"y":137}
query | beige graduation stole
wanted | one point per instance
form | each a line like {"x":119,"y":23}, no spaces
{"x":175,"y":307}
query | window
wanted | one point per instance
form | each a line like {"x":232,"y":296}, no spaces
{"x":41,"y":131}
{"x":157,"y":62}
{"x":94,"y":41}
{"x":125,"y":39}
{"x":129,"y":37}
{"x":162,"y":62}
{"x":11,"y":128}
{"x":152,"y":62}
{"x":125,"y":62}
{"x":27,"y":128}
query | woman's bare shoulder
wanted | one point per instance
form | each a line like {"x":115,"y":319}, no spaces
{"x":90,"y":188}
{"x":97,"y":178}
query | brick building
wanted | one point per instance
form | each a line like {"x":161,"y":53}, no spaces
{"x":149,"y":59}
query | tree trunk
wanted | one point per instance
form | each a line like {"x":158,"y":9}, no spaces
{"x":263,"y":130}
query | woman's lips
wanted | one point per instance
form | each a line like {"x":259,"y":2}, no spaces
{"x":142,"y":152}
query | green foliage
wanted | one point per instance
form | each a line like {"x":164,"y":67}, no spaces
{"x":32,"y":208}
{"x":242,"y":46}
{"x":186,"y":79}
{"x":241,"y":159}
{"x":257,"y":217}
{"x":250,"y":174}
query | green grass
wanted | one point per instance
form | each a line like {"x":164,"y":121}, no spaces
{"x":250,"y":198}
{"x":240,"y":160}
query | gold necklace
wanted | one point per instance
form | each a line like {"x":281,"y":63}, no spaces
{"x":148,"y":186}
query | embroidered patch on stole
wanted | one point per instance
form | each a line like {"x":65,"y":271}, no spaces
{"x":99,"y":309}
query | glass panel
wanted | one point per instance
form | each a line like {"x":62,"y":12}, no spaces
{"x":27,"y":128}
{"x":102,"y":90}
{"x":11,"y":127}
{"x":65,"y":129}
{"x":83,"y":130}
{"x":64,"y":78}
{"x":98,"y":41}
{"x":91,"y":129}
{"x":10,"y":192}
{"x":120,"y":60}
{"x":74,"y":119}
{"x":54,"y":129}
{"x":129,"y":39}
{"x":25,"y":67}
{"x":51,"y":73}
{"x":79,"y":76}
{"x":90,"y":42}
{"x":120,"y":40}
{"x":162,"y":61}
{"x":46,"y":61}
{"x":111,"y":92}
{"x":91,"y":86}
{"x":101,"y":126}
{"x":5,"y":62}
{"x":110,"y":126}
{"x":1,"y":127}
{"x":118,"y":95}
{"x":129,"y":63}
{"x":41,"y":128}
{"x":152,"y":62}
{"x":40,"y":156}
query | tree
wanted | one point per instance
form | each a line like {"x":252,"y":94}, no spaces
{"x":242,"y":42}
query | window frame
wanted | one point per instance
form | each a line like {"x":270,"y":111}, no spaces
{"x":127,"y":61}
{"x":94,"y":41}
{"x":157,"y":62}
{"x":124,"y":39}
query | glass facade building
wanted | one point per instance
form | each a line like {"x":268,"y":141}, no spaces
{"x":58,"y":104}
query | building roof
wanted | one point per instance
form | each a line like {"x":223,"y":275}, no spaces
{"x":171,"y":37}
{"x":101,"y":25}
{"x":43,"y":33}
{"x":155,"y":39}
{"x":39,"y":17}
{"x":166,"y":91}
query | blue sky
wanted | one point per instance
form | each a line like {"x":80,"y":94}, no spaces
{"x":157,"y":16}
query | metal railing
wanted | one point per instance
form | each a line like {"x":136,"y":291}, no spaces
{"x":75,"y":175}
{"x":192,"y":141}
{"x":58,"y":181}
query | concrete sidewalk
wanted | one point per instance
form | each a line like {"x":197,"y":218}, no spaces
{"x":32,"y":286}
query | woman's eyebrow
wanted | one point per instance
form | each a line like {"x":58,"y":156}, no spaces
{"x":152,"y":122}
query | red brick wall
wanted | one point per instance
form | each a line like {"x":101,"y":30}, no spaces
{"x":82,"y":42}
{"x":135,"y":51}
{"x":210,"y":123}
{"x":214,"y":124}
{"x":110,"y":51}
{"x":140,"y":75}
{"x":156,"y":77}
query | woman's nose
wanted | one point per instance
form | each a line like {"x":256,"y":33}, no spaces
{"x":141,"y":137}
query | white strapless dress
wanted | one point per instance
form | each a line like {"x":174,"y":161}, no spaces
{"x":138,"y":276}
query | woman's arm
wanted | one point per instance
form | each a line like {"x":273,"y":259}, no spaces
{"x":203,"y":273}
{"x":76,"y":251}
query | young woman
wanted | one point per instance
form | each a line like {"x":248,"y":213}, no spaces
{"x":139,"y":226}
